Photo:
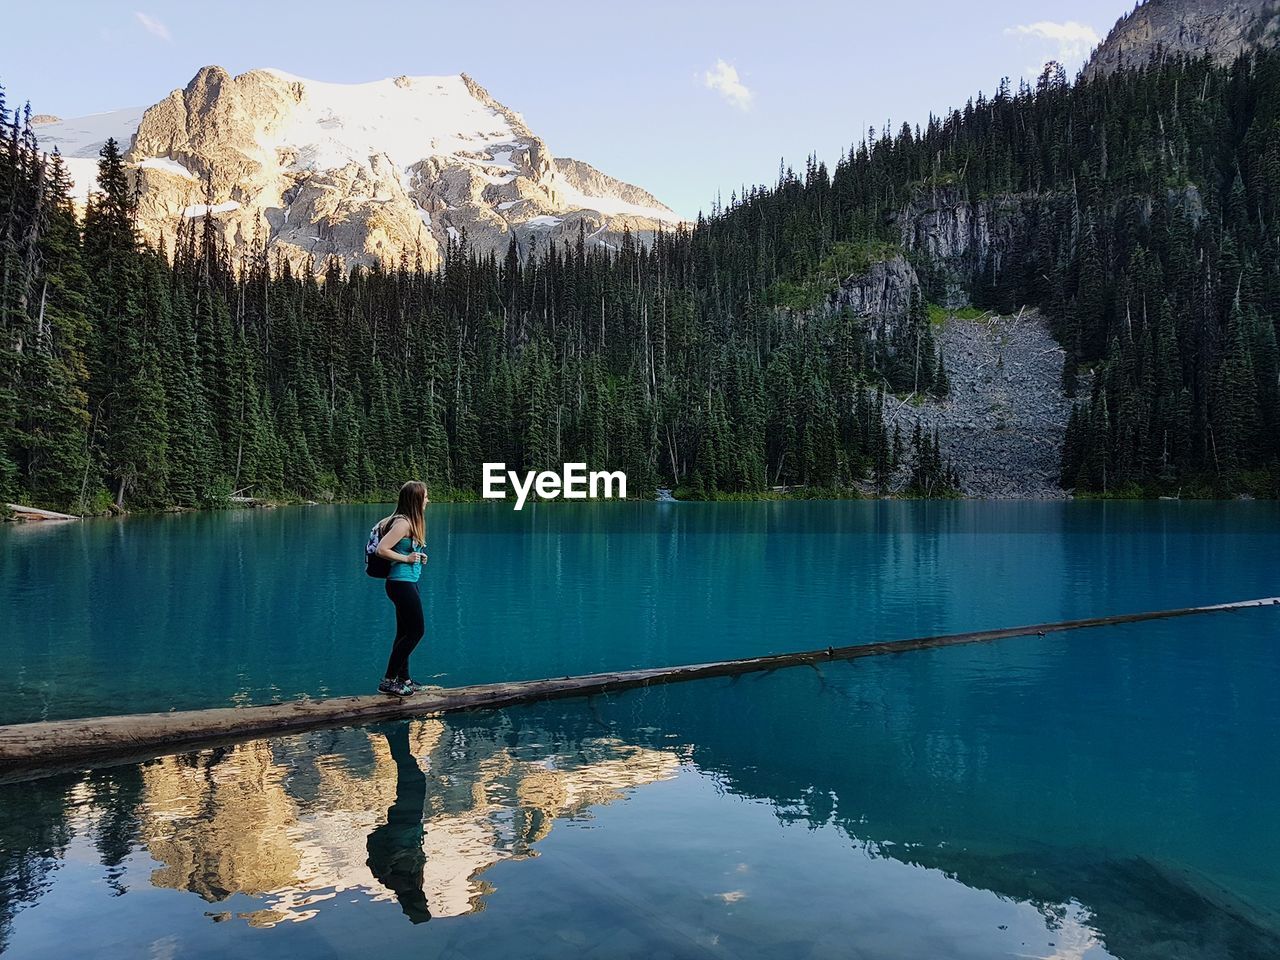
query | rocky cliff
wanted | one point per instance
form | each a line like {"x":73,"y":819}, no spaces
{"x":370,"y":173}
{"x":953,"y":238}
{"x":880,"y":295}
{"x":1223,"y":29}
{"x":955,"y":235}
{"x":883,"y":291}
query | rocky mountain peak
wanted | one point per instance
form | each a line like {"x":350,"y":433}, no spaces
{"x":1223,"y":29}
{"x":370,"y":173}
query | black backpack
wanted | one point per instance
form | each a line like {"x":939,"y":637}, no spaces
{"x":374,"y":565}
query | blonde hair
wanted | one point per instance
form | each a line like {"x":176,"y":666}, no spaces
{"x":413,"y":498}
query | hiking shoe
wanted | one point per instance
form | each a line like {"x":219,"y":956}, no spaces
{"x":428,"y":687}
{"x":396,"y":688}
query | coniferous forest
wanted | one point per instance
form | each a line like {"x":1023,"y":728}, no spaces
{"x":1147,"y":206}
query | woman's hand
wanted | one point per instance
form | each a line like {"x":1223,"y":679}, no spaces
{"x":416,"y":558}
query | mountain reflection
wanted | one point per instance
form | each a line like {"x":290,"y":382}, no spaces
{"x":293,"y":823}
{"x":888,"y":761}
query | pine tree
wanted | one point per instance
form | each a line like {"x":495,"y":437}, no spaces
{"x":174,"y":376}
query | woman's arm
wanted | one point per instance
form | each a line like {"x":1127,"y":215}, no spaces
{"x":398,"y":530}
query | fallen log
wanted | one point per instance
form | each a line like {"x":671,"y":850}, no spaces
{"x":31,"y":750}
{"x":21,"y":512}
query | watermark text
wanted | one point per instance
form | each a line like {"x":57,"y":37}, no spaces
{"x":572,"y":483}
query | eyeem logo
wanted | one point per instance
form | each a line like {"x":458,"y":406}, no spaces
{"x":573,"y":484}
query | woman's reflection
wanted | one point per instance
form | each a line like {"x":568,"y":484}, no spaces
{"x":395,"y":848}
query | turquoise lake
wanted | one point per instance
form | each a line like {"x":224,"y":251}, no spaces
{"x":1102,"y":793}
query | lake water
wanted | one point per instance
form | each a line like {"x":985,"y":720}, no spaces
{"x":1103,"y":793}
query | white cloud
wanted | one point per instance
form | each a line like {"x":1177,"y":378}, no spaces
{"x":1071,"y":41}
{"x":152,"y":26}
{"x":723,"y":78}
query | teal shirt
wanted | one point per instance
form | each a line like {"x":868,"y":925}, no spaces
{"x":405,"y":571}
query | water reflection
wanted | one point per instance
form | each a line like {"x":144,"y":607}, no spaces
{"x":294,"y":823}
{"x":396,"y":858}
{"x":1108,"y":794}
{"x":530,"y":594}
{"x":421,"y":817}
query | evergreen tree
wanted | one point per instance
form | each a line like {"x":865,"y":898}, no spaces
{"x":1136,"y":211}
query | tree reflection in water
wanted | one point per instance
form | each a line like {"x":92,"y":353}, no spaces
{"x":920,"y":761}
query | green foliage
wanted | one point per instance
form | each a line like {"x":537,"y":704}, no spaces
{"x":798,"y":295}
{"x":184,"y":382}
{"x":939,"y":315}
{"x":937,"y":181}
{"x":1138,"y":210}
{"x":815,"y":285}
{"x":932,"y":478}
{"x":851,"y":258}
{"x":787,"y":493}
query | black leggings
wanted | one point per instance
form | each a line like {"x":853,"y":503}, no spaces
{"x":409,"y":626}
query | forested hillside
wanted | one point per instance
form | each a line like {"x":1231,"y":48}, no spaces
{"x":1144,"y":221}
{"x":1144,"y":210}
{"x":149,"y":377}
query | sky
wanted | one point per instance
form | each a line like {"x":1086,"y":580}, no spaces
{"x":690,"y":100}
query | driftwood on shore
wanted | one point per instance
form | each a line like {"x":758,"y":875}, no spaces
{"x":21,"y":512}
{"x":36,"y":749}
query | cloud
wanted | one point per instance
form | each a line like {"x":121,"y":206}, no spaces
{"x":1072,"y":41}
{"x":152,"y":26}
{"x":723,"y":78}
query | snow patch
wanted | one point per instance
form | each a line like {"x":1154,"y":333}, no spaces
{"x":168,"y":165}
{"x":84,"y":177}
{"x":200,"y":209}
{"x":502,"y":159}
{"x":406,"y":119}
{"x":543,"y":221}
{"x":612,"y":206}
{"x":85,"y":136}
{"x":81,"y":139}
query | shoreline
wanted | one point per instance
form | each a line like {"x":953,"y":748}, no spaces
{"x":26,"y":514}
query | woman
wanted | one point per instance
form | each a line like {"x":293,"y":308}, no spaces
{"x":402,"y":544}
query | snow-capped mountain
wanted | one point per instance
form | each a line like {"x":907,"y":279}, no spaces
{"x":368,"y":172}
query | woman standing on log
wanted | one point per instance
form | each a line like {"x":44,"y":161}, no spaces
{"x":403,"y":537}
